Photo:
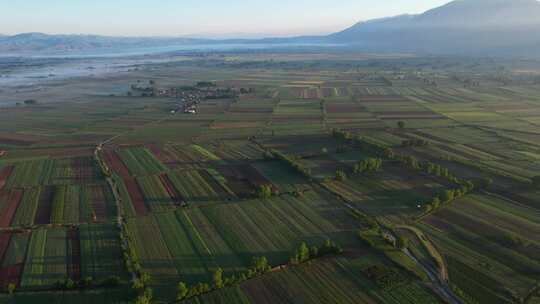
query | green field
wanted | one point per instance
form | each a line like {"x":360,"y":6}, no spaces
{"x":422,"y":171}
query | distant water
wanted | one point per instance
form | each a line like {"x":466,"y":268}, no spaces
{"x":41,"y":68}
{"x":141,"y":51}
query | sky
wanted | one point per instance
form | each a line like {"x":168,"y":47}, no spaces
{"x":207,"y":18}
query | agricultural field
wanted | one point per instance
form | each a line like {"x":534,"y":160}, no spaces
{"x":331,"y":281}
{"x":490,"y":238}
{"x":45,"y":258}
{"x":423,"y":182}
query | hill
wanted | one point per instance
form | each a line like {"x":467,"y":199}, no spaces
{"x":493,"y":27}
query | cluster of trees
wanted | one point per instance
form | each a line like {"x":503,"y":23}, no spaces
{"x":414,"y":143}
{"x":259,"y":266}
{"x":290,"y":161}
{"x":69,"y":284}
{"x":341,"y":176}
{"x":448,"y":196}
{"x":304,"y":253}
{"x":363,"y":144}
{"x":368,"y":165}
{"x":145,"y":296}
{"x":265,"y":191}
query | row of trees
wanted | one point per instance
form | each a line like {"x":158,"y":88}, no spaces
{"x":290,"y":161}
{"x":368,"y":165}
{"x":363,"y":144}
{"x":414,"y":143}
{"x":259,"y":267}
{"x":133,"y":265}
{"x":304,"y":253}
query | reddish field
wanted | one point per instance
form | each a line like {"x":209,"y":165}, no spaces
{"x":313,"y":94}
{"x":10,"y":273}
{"x":8,"y":211}
{"x":83,"y":168}
{"x":137,"y":198}
{"x":175,"y":195}
{"x":116,"y":164}
{"x":5,"y":237}
{"x":4,"y":175}
{"x":162,"y":155}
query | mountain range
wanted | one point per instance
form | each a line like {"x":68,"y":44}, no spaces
{"x":461,"y":27}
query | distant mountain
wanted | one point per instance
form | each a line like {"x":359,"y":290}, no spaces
{"x":461,"y":27}
{"x":39,"y":42}
{"x":477,"y":27}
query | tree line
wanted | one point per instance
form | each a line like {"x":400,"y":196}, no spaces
{"x":258,"y":267}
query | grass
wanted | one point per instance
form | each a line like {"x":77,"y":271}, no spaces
{"x":101,"y":255}
{"x":141,"y":162}
{"x":34,"y":266}
{"x":489,"y":241}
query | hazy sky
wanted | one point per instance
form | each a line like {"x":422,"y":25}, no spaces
{"x":197,"y":17}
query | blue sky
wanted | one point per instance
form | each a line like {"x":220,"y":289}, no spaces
{"x":199,"y":18}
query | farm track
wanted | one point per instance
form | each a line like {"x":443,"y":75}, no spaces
{"x":438,"y":277}
{"x":439,"y":280}
{"x":120,"y":218}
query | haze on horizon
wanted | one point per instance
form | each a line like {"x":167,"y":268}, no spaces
{"x":212,"y":18}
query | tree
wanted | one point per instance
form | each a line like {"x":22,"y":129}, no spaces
{"x":69,"y":284}
{"x":401,"y":124}
{"x":303,"y":253}
{"x":181,"y":291}
{"x":218,"y":278}
{"x":260,"y":264}
{"x":30,"y":102}
{"x":314,"y":251}
{"x":11,"y":288}
{"x":436,"y":203}
{"x":341,"y":176}
{"x":145,"y":298}
{"x":265,"y":191}
{"x":448,"y":196}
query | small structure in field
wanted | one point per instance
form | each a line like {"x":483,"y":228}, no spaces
{"x":3,"y":153}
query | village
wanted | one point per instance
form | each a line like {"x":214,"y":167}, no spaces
{"x":189,"y":97}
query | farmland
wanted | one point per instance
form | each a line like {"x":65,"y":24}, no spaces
{"x":426,"y":183}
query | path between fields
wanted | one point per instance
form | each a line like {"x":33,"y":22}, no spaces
{"x":120,"y":212}
{"x":111,"y":139}
{"x":438,"y":277}
{"x":439,"y":280}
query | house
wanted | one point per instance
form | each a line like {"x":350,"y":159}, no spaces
{"x":3,"y":153}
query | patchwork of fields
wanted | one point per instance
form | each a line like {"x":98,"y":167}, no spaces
{"x":428,"y":183}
